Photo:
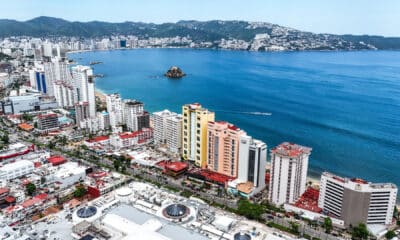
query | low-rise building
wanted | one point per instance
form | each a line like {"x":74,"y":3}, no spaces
{"x":27,"y":103}
{"x":131,"y":139}
{"x":16,"y":169}
{"x":47,"y":122}
{"x":68,"y":174}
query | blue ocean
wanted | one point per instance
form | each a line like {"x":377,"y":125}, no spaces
{"x":344,"y":105}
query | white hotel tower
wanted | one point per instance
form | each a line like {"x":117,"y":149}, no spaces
{"x":289,"y":164}
{"x":355,"y":200}
{"x":168,"y":129}
{"x":83,"y":83}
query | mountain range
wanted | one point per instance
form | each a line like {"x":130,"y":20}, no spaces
{"x":199,"y":31}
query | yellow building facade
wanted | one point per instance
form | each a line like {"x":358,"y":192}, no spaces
{"x":194,"y":133}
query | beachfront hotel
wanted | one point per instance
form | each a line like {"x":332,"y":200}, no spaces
{"x":135,"y":116}
{"x":223,"y":148}
{"x":289,"y":164}
{"x":168,"y":130}
{"x":355,"y":200}
{"x":194,"y":133}
{"x":115,"y":109}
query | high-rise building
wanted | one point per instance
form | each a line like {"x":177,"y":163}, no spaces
{"x":174,"y":133}
{"x":134,"y":115}
{"x":114,"y":108}
{"x":37,"y":79}
{"x":223,"y":148}
{"x":56,"y":70}
{"x":356,"y":201}
{"x":47,"y":122}
{"x":104,"y":120}
{"x":81,"y":112}
{"x":63,"y":94}
{"x":194,"y":133}
{"x":252,"y":162}
{"x":289,"y":165}
{"x":47,"y":49}
{"x":168,"y":129}
{"x":83,"y":84}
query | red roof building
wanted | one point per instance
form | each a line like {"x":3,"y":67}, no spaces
{"x":290,"y":149}
{"x":209,"y":176}
{"x":3,"y":193}
{"x":173,"y":168}
{"x":56,"y":160}
{"x":309,"y":200}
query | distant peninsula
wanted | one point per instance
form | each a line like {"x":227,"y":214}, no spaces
{"x":238,"y":35}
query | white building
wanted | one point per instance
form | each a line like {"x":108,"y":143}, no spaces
{"x":289,"y":165}
{"x":68,"y":174}
{"x":16,"y":169}
{"x":131,"y":139}
{"x":115,"y":109}
{"x":131,"y":230}
{"x":26,"y":103}
{"x":103,"y":120}
{"x":134,"y":115}
{"x":355,"y":200}
{"x":83,"y":84}
{"x":168,"y":129}
{"x":251,"y":167}
{"x":63,"y":94}
{"x":4,"y":78}
{"x":252,"y":161}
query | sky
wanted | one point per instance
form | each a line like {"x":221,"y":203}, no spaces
{"x":374,"y":17}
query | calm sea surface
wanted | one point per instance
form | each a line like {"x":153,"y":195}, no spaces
{"x":345,"y":105}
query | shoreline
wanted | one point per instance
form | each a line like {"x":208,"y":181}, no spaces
{"x":313,"y":174}
{"x":222,"y":49}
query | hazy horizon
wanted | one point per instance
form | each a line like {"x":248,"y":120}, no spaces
{"x":358,"y":17}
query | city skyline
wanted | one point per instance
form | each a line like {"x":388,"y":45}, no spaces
{"x":359,"y":17}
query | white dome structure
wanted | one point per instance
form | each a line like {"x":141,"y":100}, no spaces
{"x":123,"y":194}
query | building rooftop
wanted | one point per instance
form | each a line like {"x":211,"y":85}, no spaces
{"x":56,"y":160}
{"x":133,"y":102}
{"x":3,"y":191}
{"x":359,"y":181}
{"x":41,"y":116}
{"x":98,"y":139}
{"x":291,"y":150}
{"x":16,"y":165}
{"x":25,"y":126}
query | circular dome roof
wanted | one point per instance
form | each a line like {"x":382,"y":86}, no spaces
{"x":242,"y":236}
{"x":124,"y":192}
{"x":176,"y":211}
{"x":87,"y":212}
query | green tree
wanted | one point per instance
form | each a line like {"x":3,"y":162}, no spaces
{"x":390,"y":234}
{"x":360,"y":232}
{"x":294,"y":227}
{"x":327,"y":225}
{"x":27,"y":117}
{"x":117,"y":164}
{"x":42,"y":179}
{"x":80,"y":191}
{"x":250,"y":210}
{"x":30,"y":189}
{"x":5,"y":139}
{"x":51,"y":145}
